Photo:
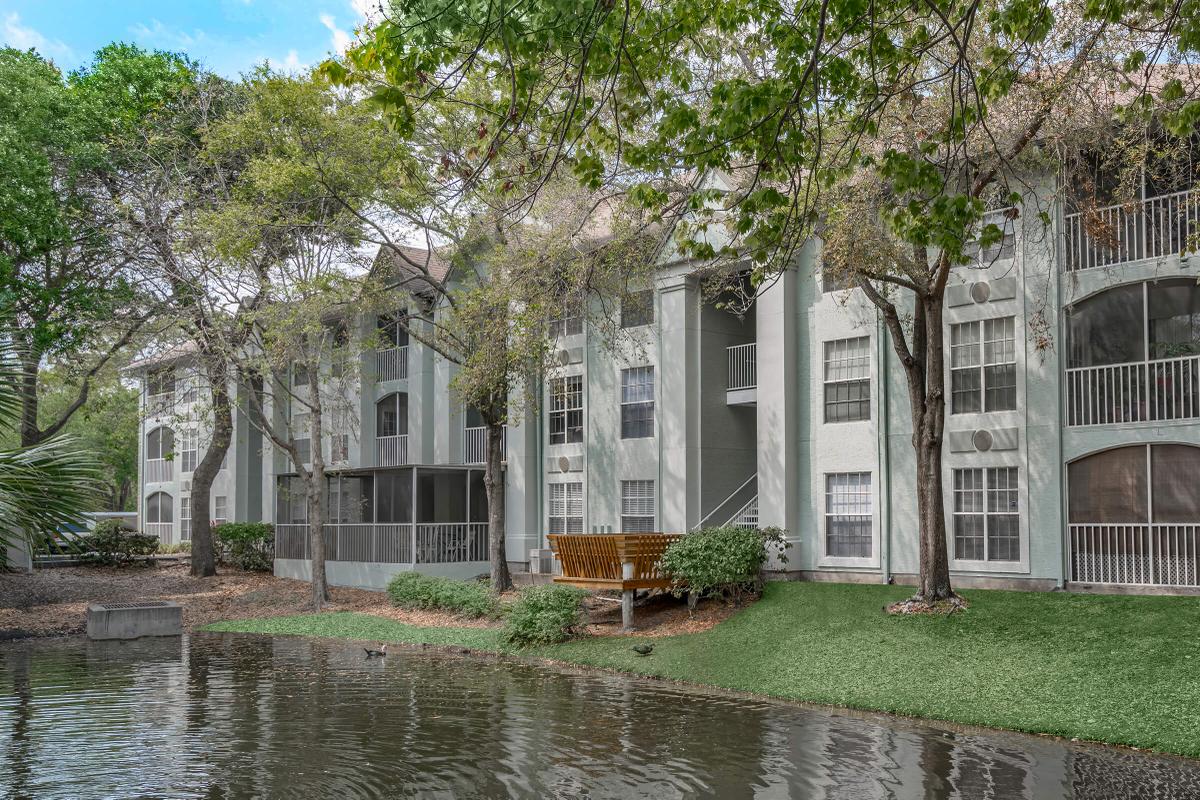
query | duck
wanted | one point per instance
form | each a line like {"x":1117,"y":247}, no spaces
{"x":381,"y":652}
{"x":643,"y":649}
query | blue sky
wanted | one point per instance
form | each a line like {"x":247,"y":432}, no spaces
{"x":228,"y":36}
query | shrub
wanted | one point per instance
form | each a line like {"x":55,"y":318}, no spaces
{"x":246,"y":545}
{"x":112,"y":543}
{"x":545,"y":615}
{"x":177,"y":547}
{"x":724,"y":562}
{"x":416,"y":591}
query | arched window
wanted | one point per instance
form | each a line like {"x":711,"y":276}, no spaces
{"x":160,"y":443}
{"x":1138,"y":484}
{"x":391,"y":415}
{"x":159,"y":508}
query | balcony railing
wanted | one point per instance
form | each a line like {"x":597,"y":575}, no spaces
{"x":1139,"y":391}
{"x":1152,"y":228}
{"x":392,"y":364}
{"x":743,"y":371}
{"x":162,"y":530}
{"x":391,"y":451}
{"x":159,"y":404}
{"x":475,"y":445}
{"x":1136,"y":554}
{"x":159,"y":470}
{"x":390,"y":543}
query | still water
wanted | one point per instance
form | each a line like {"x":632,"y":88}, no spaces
{"x":231,"y":716}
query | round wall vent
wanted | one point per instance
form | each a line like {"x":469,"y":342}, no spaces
{"x":564,"y":357}
{"x":982,"y":441}
{"x":564,"y":464}
{"x":981,"y":291}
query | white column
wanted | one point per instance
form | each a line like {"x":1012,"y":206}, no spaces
{"x":679,"y":394}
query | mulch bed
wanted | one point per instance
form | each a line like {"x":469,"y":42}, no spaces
{"x":660,"y":614}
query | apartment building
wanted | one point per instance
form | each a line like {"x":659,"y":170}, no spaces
{"x":1071,"y":448}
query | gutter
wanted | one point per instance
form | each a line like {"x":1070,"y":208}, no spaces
{"x":885,"y":450}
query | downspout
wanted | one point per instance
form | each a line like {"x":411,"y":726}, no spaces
{"x":658,"y":412}
{"x":885,"y":450}
{"x":1063,"y":532}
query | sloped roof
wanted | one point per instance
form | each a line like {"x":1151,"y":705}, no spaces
{"x":406,"y":266}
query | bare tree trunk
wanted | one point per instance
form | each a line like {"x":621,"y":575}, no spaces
{"x":493,"y":481}
{"x":204,"y":561}
{"x":316,"y":534}
{"x":30,"y":433}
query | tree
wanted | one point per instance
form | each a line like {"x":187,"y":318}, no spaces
{"x":903,"y":122}
{"x":43,"y":486}
{"x":64,"y":282}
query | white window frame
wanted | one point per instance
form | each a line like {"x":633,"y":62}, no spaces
{"x":976,"y":565}
{"x":189,"y":449}
{"x":185,"y":518}
{"x":988,"y":340}
{"x":1006,"y":220}
{"x":566,"y":410}
{"x":565,"y":498}
{"x":838,"y":354}
{"x":633,"y":378}
{"x":633,"y":302}
{"x":638,"y":506}
{"x":220,"y":508}
{"x":871,"y":515}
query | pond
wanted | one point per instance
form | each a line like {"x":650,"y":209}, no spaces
{"x":236,"y":716}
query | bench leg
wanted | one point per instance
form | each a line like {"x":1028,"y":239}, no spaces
{"x":627,"y":598}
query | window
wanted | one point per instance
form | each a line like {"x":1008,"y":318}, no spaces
{"x":566,"y":508}
{"x":159,"y":507}
{"x":837,"y":281}
{"x":160,"y":381}
{"x":848,"y":380}
{"x":188,"y":450}
{"x":220,"y":508}
{"x":191,"y":388}
{"x":637,"y":506}
{"x":637,"y":402}
{"x":1130,"y":485}
{"x":983,"y":380}
{"x":299,"y":374}
{"x":1005,"y":219}
{"x":339,"y":437}
{"x":302,"y":436}
{"x":566,"y":410}
{"x":185,"y":518}
{"x":987,"y":523}
{"x":160,"y":443}
{"x":391,"y":415}
{"x":637,"y":308}
{"x":393,"y":330}
{"x":339,"y":355}
{"x":568,"y":320}
{"x":848,"y":521}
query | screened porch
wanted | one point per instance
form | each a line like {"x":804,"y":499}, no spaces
{"x":407,"y":515}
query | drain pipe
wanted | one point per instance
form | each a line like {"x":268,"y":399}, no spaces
{"x":885,"y":450}
{"x":1063,"y":530}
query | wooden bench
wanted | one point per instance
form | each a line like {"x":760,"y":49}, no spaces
{"x":622,"y":561}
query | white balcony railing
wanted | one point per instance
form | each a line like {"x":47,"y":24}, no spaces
{"x":475,"y":445}
{"x":1135,"y":554}
{"x":159,"y":470}
{"x":1152,"y":228}
{"x":390,"y":543}
{"x":391,"y":451}
{"x":162,"y":530}
{"x":391,"y":364}
{"x":1139,"y":391}
{"x":743,"y":371}
{"x":160,"y":404}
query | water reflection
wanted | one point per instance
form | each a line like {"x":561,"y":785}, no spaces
{"x":225,"y":716}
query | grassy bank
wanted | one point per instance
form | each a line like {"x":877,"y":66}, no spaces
{"x":1123,"y":670}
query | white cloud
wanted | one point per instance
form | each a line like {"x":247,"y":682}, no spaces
{"x":340,"y":39}
{"x":165,"y":36}
{"x":369,"y":10}
{"x":23,"y":37}
{"x":292,"y":62}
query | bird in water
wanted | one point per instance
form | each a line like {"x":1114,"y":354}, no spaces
{"x":381,"y":652}
{"x":643,"y":649}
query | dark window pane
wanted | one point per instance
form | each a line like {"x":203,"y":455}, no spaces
{"x":1175,"y":469}
{"x":637,"y":308}
{"x":1109,"y":487}
{"x":964,"y":391}
{"x":1174,"y":318}
{"x":1108,"y":328}
{"x":968,"y":537}
{"x":1001,"y":382}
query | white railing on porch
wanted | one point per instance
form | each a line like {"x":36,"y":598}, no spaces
{"x":391,"y":364}
{"x":159,"y":470}
{"x":743,"y":372}
{"x":1151,"y":228}
{"x":162,"y":530}
{"x":391,"y":451}
{"x":747,"y":515}
{"x":475,"y":445}
{"x":1136,"y":554}
{"x":1140,"y":391}
{"x":390,"y":543}
{"x":159,"y":404}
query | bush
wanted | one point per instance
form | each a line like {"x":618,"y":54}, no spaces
{"x":413,"y":590}
{"x":112,"y":543}
{"x":721,"y":562}
{"x":177,"y":547}
{"x":545,"y":615}
{"x":246,"y":545}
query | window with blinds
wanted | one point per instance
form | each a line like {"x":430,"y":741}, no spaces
{"x":987,"y":520}
{"x":566,"y":410}
{"x":848,"y":379}
{"x":566,"y":508}
{"x":637,"y":506}
{"x":848,"y":519}
{"x":188,"y":450}
{"x":637,"y":402}
{"x":983,"y":366}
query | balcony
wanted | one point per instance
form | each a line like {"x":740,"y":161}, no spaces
{"x":159,"y":470}
{"x":1135,"y":554}
{"x":161,"y":530}
{"x":390,"y":543}
{"x":741,"y":387}
{"x":1143,"y":391}
{"x":1156,"y":227}
{"x":391,"y":364}
{"x":160,"y":404}
{"x":475,"y":445}
{"x":391,"y":451}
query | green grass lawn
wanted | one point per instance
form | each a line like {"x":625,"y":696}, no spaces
{"x":1124,"y":670}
